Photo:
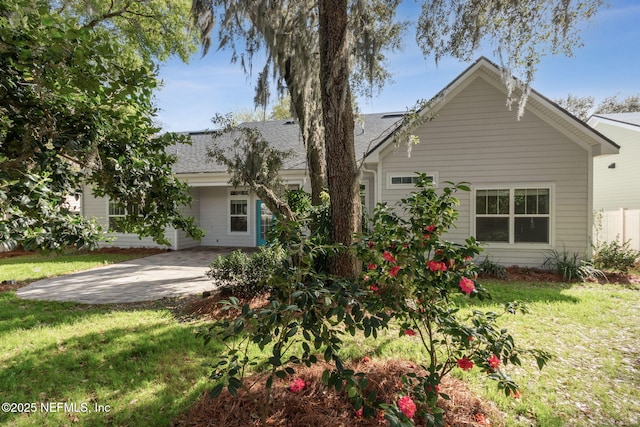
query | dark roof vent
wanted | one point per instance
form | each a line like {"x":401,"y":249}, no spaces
{"x":290,"y":122}
{"x":393,"y":116}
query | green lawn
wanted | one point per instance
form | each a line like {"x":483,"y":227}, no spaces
{"x":34,"y":267}
{"x":146,"y":366}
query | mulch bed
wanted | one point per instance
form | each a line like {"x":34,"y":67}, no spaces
{"x":317,"y":406}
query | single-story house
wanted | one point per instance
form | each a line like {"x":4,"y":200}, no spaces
{"x":531,"y":177}
{"x":617,"y":177}
{"x":616,"y":185}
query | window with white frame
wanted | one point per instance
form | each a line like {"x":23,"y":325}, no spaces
{"x":404,"y":181}
{"x":238,"y":211}
{"x":513,"y":215}
{"x":117,"y":213}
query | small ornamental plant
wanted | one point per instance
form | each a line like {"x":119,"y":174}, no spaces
{"x":414,"y":273}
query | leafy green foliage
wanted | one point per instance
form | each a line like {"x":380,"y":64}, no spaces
{"x":413,"y":272}
{"x":75,"y":109}
{"x":308,"y":314}
{"x":571,"y":267}
{"x":246,"y":275}
{"x":412,"y":275}
{"x":487,"y":267}
{"x":614,"y":256}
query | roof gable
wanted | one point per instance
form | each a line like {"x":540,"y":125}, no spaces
{"x":537,"y":104}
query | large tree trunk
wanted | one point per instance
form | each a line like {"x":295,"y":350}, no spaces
{"x":342,"y":173}
{"x":312,"y":131}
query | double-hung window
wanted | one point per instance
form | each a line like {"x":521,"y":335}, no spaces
{"x":513,"y":215}
{"x":116,"y":214}
{"x":238,"y":211}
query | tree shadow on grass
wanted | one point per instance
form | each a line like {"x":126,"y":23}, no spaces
{"x":147,"y":373}
{"x":528,"y":292}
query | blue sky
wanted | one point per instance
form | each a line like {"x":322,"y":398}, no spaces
{"x":607,"y":64}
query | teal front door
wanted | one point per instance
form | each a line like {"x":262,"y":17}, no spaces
{"x":264,"y":218}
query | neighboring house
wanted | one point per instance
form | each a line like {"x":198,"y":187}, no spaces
{"x":616,"y":187}
{"x":531,"y":178}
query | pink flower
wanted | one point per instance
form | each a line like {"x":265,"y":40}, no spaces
{"x":494,"y":362}
{"x":393,"y":271}
{"x":407,"y":406}
{"x":467,"y":285}
{"x":296,"y":385}
{"x":371,"y":266}
{"x":388,"y":257}
{"x":409,"y":332}
{"x":430,"y":228}
{"x":359,"y":413}
{"x":436,"y":266}
{"x":465,"y":364}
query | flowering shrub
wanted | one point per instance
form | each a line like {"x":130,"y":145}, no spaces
{"x":414,"y":273}
{"x":308,"y":314}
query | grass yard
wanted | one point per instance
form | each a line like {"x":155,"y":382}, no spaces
{"x":114,"y":367}
{"x":31,"y":267}
{"x":145,"y":366}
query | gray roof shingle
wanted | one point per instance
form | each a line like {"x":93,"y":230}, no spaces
{"x":284,"y":135}
{"x":628,"y":118}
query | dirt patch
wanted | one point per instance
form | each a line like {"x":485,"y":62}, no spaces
{"x":317,"y":406}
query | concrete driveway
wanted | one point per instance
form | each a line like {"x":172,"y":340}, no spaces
{"x":170,"y":274}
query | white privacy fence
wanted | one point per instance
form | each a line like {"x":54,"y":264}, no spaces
{"x":622,"y":225}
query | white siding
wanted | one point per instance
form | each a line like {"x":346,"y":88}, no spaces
{"x":98,"y":208}
{"x":476,"y":139}
{"x":214,"y":219}
{"x":618,"y":187}
{"x":183,"y":241}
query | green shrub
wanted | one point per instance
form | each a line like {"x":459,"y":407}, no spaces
{"x":571,"y":267}
{"x":614,"y":256}
{"x":490,"y":268}
{"x":245,"y":275}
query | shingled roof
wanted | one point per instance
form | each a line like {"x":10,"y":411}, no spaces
{"x":626,"y":118}
{"x":284,"y":135}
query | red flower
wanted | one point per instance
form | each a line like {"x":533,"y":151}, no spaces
{"x":430,"y":228}
{"x":494,"y":362}
{"x":374,"y":288}
{"x":431,"y":389}
{"x":409,"y":332}
{"x":436,"y":266}
{"x":407,"y":406}
{"x":370,"y":244}
{"x":387,"y":256}
{"x":359,"y":413}
{"x":393,"y":271}
{"x":467,"y":285}
{"x":470,"y":338}
{"x":366,"y":359}
{"x":296,"y":385}
{"x":516,"y":395}
{"x":465,"y":364}
{"x":371,"y":266}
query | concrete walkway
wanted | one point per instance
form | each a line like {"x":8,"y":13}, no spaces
{"x":169,"y":274}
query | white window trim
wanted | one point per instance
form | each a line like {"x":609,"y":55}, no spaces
{"x":512,"y":187}
{"x":247,"y":198}
{"x":391,"y":175}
